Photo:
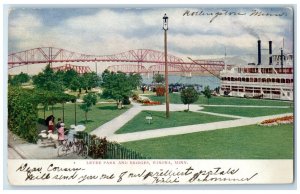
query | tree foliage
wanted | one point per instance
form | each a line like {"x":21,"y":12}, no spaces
{"x":118,"y":85}
{"x":60,"y":80}
{"x":18,"y":79}
{"x":75,"y":84}
{"x":69,"y":76}
{"x":188,"y":96}
{"x":50,"y":98}
{"x":207,"y":93}
{"x":158,"y":78}
{"x":22,"y":113}
{"x":48,"y":80}
{"x":88,"y":101}
{"x":91,"y":80}
{"x":135,"y":80}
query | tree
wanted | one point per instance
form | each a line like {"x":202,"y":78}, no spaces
{"x":75,"y":84}
{"x":63,"y":98}
{"x":92,"y":80}
{"x":117,"y":86}
{"x":19,"y":79}
{"x":46,"y":98}
{"x":60,"y":75}
{"x":69,"y":75}
{"x":135,"y":80}
{"x":48,"y":80}
{"x":88,"y":101}
{"x":188,"y":96}
{"x":50,"y":98}
{"x":207,"y":93}
{"x":158,"y":78}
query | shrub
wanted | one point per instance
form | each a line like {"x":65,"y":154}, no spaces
{"x":97,"y":147}
{"x":151,"y":103}
{"x":189,"y":96}
{"x":160,"y":90}
{"x":276,"y":121}
{"x":22,"y":113}
{"x":135,"y":96}
{"x":126,"y":101}
{"x":146,"y":101}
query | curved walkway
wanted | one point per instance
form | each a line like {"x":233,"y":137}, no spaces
{"x":189,"y":129}
{"x":108,"y":129}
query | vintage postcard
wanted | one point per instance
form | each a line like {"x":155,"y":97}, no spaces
{"x":143,"y":95}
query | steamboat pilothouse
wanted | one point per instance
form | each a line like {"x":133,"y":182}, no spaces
{"x":272,"y":81}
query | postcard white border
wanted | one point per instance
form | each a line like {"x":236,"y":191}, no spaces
{"x":4,"y":150}
{"x":149,"y":172}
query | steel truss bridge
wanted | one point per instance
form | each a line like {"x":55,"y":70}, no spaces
{"x":132,"y":61}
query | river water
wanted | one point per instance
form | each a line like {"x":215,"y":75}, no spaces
{"x":210,"y":81}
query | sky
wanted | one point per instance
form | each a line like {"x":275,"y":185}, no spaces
{"x":202,"y":35}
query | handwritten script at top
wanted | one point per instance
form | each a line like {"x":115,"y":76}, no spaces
{"x":224,"y":12}
{"x":79,"y":175}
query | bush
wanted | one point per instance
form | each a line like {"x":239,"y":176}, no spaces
{"x":22,"y":113}
{"x":135,"y":96}
{"x":151,"y":103}
{"x":160,"y":90}
{"x":97,"y":147}
{"x":126,"y":101}
{"x":188,"y":96}
{"x":146,"y":100}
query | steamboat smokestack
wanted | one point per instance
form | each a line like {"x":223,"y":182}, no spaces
{"x":281,"y":58}
{"x":270,"y":53}
{"x":258,"y":52}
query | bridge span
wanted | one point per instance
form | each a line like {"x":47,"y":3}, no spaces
{"x":132,"y":61}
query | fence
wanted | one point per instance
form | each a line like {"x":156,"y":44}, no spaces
{"x":100,"y":148}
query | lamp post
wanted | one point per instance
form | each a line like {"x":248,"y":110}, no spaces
{"x":165,"y":28}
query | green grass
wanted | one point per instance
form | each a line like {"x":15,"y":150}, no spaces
{"x":248,"y":142}
{"x":174,"y":98}
{"x":247,"y":112}
{"x":100,"y":114}
{"x":139,"y":122}
{"x":99,"y":97}
{"x":220,"y":100}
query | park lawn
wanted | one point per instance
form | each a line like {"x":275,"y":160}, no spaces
{"x":99,"y":97}
{"x":174,"y":98}
{"x":221,"y":100}
{"x":247,"y":111}
{"x":247,"y":142}
{"x":100,"y":114}
{"x":180,"y":118}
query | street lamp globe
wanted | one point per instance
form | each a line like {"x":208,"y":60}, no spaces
{"x":165,"y":22}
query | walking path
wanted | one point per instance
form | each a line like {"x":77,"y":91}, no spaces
{"x":222,"y":115}
{"x":12,"y":154}
{"x":109,"y":128}
{"x":189,"y":129}
{"x":20,"y":149}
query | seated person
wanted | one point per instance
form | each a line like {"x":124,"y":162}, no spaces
{"x":61,"y":133}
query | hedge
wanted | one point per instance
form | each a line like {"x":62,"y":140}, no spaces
{"x":22,"y":113}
